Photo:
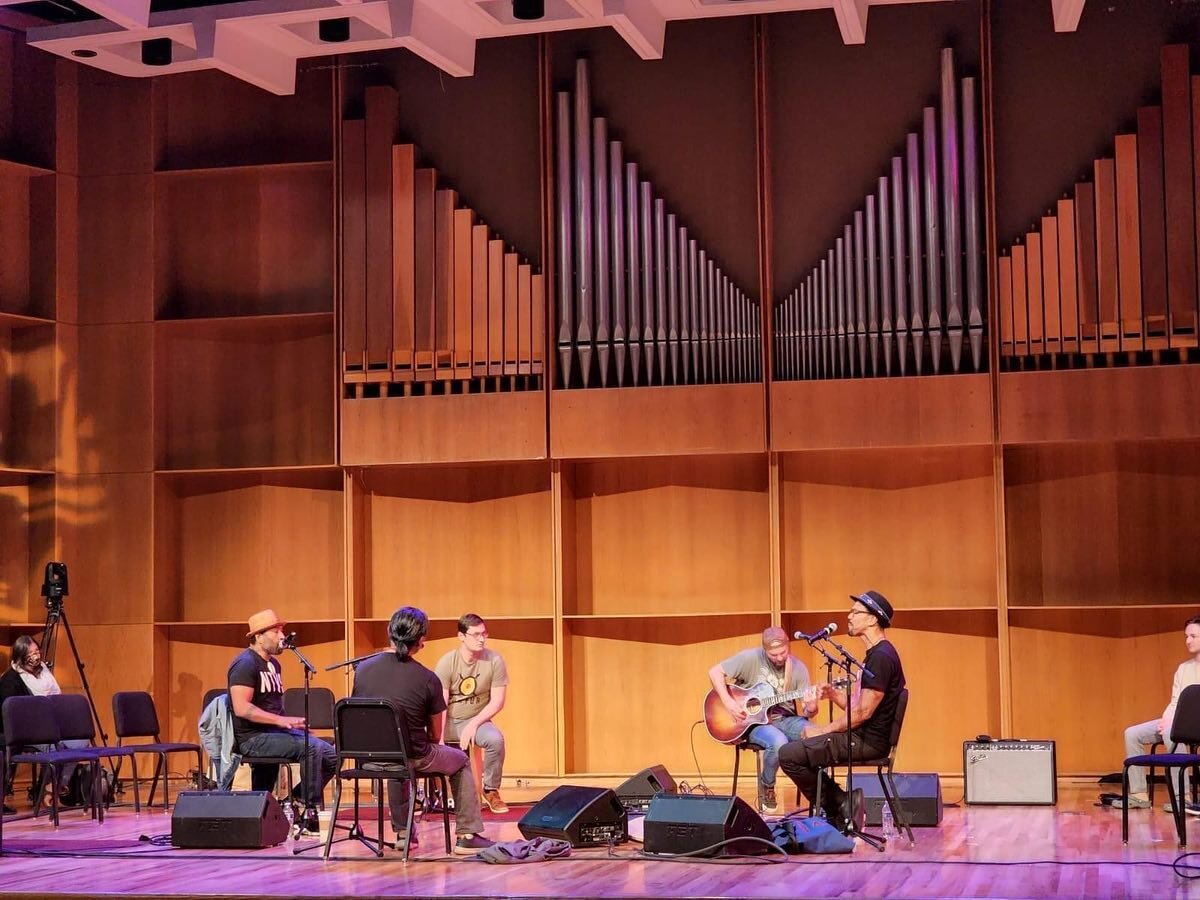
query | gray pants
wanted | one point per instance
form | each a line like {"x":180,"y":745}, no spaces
{"x":488,"y":738}
{"x":1138,"y":739}
{"x":452,"y":763}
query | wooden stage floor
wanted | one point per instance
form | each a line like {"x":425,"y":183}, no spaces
{"x":1073,"y":850}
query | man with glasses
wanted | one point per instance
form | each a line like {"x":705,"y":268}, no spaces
{"x":474,"y":684}
{"x":873,"y":709}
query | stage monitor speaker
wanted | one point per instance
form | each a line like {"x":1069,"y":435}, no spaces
{"x":638,"y":791}
{"x":685,"y":823}
{"x":584,"y":816}
{"x":921,"y":795}
{"x":1010,"y":772}
{"x":227,"y":819}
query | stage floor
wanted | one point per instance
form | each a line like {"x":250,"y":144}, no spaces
{"x":1073,"y":850}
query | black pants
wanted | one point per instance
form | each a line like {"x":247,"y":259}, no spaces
{"x":802,"y":760}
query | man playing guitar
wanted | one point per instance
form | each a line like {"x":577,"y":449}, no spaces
{"x":774,"y":664}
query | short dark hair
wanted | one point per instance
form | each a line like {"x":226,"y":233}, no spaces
{"x":21,"y":647}
{"x":407,"y":627}
{"x":1194,"y":620}
{"x":468,"y":620}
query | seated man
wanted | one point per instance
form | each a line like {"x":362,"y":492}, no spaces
{"x":873,"y":709}
{"x":28,"y":676}
{"x":1137,"y":736}
{"x":474,"y":684}
{"x":259,"y":726}
{"x":774,"y":664}
{"x":417,"y":693}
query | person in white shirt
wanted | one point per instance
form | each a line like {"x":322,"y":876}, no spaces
{"x":28,"y":675}
{"x":1139,"y":737}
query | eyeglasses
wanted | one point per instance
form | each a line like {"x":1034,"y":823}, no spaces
{"x":478,"y":635}
{"x":854,"y":611}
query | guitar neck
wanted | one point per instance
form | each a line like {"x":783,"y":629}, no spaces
{"x":803,"y":694}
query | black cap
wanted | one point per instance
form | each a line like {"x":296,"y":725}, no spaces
{"x":877,"y":605}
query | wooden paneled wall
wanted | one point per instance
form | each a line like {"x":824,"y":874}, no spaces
{"x":174,"y":425}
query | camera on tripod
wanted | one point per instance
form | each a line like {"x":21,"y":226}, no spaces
{"x":54,"y":587}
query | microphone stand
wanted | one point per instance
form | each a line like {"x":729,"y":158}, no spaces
{"x":354,"y":662}
{"x":305,"y":764}
{"x":848,"y":663}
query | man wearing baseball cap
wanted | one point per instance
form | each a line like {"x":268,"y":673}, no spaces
{"x":873,"y":709}
{"x":259,"y":726}
{"x":773,"y":664}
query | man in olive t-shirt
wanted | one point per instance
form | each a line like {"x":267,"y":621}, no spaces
{"x":474,"y":684}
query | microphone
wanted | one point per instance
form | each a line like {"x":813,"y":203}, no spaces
{"x":289,"y":641}
{"x":825,"y":632}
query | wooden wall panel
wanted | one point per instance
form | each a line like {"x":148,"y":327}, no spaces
{"x":835,"y":505}
{"x":27,"y":526}
{"x":281,"y":372}
{"x":670,"y":536}
{"x":244,"y":242}
{"x":422,"y":524}
{"x":282,"y":531}
{"x":27,"y":396}
{"x":674,"y":654}
{"x":1087,"y":524}
{"x":105,"y":398}
{"x":106,"y":536}
{"x":128,"y":645}
{"x":1133,"y":652}
{"x":248,"y":126}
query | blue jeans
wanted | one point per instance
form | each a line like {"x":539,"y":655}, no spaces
{"x":773,"y":736}
{"x":322,"y":760}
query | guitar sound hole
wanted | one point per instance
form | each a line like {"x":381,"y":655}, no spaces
{"x":752,"y":707}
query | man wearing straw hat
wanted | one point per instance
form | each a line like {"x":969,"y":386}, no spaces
{"x":259,"y":726}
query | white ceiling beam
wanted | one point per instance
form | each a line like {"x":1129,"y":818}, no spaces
{"x":640,"y":23}
{"x":852,"y":20}
{"x":432,"y":37}
{"x":1067,"y":13}
{"x":129,"y":14}
{"x":237,"y":52}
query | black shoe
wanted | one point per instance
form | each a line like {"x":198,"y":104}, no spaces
{"x":470,"y":844}
{"x":309,"y":821}
{"x":9,"y":811}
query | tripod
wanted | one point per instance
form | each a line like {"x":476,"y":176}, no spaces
{"x":848,"y":663}
{"x":56,"y":615}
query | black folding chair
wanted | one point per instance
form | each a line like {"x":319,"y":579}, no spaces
{"x":134,"y":716}
{"x":883,"y":771}
{"x":74,"y":715}
{"x":320,"y":706}
{"x":1185,"y":729}
{"x":374,"y":733}
{"x":31,"y":722}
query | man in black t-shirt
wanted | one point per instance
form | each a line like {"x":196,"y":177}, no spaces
{"x":259,"y":726}
{"x":417,"y":693}
{"x":873,"y":711}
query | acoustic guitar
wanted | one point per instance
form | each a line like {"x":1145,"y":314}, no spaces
{"x":755,"y":701}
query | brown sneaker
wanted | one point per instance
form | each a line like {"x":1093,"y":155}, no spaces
{"x":493,"y":801}
{"x":768,"y":804}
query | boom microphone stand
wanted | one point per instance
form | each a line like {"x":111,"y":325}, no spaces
{"x":849,"y":663}
{"x":310,"y":808}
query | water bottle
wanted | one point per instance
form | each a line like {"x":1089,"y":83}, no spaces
{"x":889,"y":825}
{"x":289,"y":813}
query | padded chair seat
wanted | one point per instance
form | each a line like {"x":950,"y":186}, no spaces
{"x":1164,"y":759}
{"x":365,"y":774}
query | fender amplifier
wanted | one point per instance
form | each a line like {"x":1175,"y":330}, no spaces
{"x":1010,"y":772}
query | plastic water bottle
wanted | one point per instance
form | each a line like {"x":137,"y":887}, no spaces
{"x":889,"y":824}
